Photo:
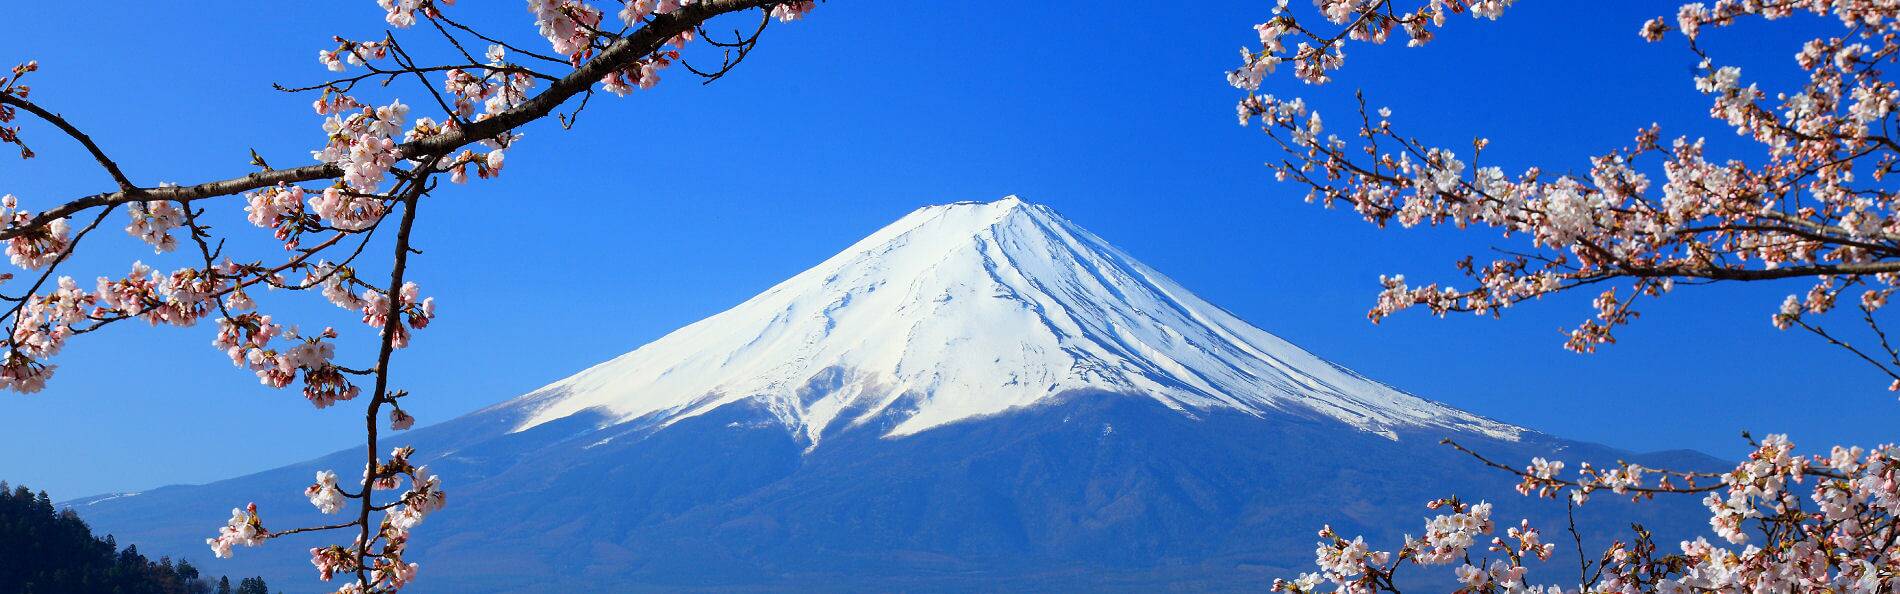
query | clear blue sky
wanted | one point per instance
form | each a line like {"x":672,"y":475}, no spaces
{"x":674,"y":204}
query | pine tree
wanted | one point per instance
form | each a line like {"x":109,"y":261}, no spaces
{"x":44,"y":550}
{"x":253,"y":585}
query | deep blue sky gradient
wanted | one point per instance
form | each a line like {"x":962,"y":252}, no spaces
{"x":671,"y":205}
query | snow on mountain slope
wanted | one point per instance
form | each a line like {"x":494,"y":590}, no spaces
{"x":971,"y":309}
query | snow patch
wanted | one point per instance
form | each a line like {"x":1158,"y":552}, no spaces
{"x":972,"y":309}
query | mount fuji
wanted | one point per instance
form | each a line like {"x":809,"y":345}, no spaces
{"x":968,"y":310}
{"x":977,"y":396}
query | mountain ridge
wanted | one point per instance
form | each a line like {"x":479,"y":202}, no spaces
{"x":1046,"y":305}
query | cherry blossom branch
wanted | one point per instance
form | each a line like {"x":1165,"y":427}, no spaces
{"x":374,"y":160}
{"x":392,"y":326}
{"x":1714,"y":221}
{"x":626,"y":50}
{"x":1626,"y":478}
{"x":180,"y":194}
{"x":734,"y":51}
{"x":440,"y":19}
{"x":112,"y":168}
{"x":1832,"y":340}
{"x":1798,"y":213}
{"x":1845,"y":543}
{"x":344,"y":84}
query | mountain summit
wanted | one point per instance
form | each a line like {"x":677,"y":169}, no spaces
{"x":978,"y":397}
{"x":971,"y":309}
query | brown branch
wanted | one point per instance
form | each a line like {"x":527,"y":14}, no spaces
{"x":179,"y":194}
{"x":618,"y":55}
{"x":505,"y":45}
{"x":1568,"y":483}
{"x":1818,"y":331}
{"x":118,"y":177}
{"x":391,"y":326}
{"x":312,"y":529}
{"x":1746,"y":274}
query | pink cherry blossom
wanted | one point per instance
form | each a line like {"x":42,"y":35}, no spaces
{"x":372,"y":167}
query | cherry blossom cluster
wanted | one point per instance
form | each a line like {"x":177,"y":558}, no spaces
{"x":569,"y":25}
{"x":1791,"y":523}
{"x":636,"y":12}
{"x":792,"y":11}
{"x":280,"y":209}
{"x":423,"y":496}
{"x":1451,"y":538}
{"x":247,"y":339}
{"x":153,"y":222}
{"x":1624,"y":479}
{"x":334,"y":102}
{"x":352,"y":53}
{"x":43,"y":322}
{"x":324,"y":494}
{"x":414,"y":310}
{"x":377,"y":557}
{"x":1641,"y":217}
{"x":644,"y":74}
{"x":244,"y":528}
{"x":498,"y":89}
{"x":41,"y":327}
{"x":363,"y":143}
{"x":179,"y":298}
{"x":10,"y":86}
{"x":38,"y":247}
{"x":1315,"y":53}
{"x":402,"y":13}
{"x":23,"y":374}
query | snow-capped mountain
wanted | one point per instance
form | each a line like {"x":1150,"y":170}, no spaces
{"x":970,"y":309}
{"x":980,"y":396}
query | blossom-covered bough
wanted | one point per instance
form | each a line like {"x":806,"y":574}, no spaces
{"x":1815,"y":206}
{"x":372,"y":171}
